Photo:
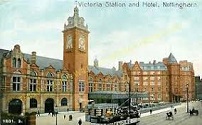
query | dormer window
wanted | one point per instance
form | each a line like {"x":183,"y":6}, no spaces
{"x":16,"y":63}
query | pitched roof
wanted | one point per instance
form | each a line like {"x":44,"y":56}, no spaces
{"x":44,"y":62}
{"x":153,"y":66}
{"x":105,"y":71}
{"x":171,"y":59}
{"x":150,"y":66}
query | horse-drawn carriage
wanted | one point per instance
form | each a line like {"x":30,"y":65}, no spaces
{"x":193,"y":111}
{"x":169,"y":115}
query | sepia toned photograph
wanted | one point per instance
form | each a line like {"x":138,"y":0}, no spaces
{"x":100,"y":62}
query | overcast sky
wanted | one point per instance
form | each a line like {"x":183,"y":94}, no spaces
{"x":125,"y":33}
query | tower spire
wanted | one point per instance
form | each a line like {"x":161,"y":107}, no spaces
{"x":75,"y":21}
{"x":76,"y":11}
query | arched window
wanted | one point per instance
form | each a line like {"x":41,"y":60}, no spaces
{"x":64,"y":102}
{"x":19,"y":63}
{"x":33,"y":103}
{"x":14,"y":62}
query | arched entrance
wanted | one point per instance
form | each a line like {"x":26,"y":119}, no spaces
{"x":15,"y":106}
{"x":49,"y":105}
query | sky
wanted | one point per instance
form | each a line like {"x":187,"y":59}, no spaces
{"x":117,"y":33}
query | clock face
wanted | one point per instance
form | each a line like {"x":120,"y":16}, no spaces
{"x":81,"y":43}
{"x":69,"y":42}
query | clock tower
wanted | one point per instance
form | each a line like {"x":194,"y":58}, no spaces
{"x":75,"y":58}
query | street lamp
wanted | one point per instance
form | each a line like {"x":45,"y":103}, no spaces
{"x":56,"y":114}
{"x":129,"y":101}
{"x":187,"y":87}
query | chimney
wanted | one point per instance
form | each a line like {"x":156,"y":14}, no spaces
{"x":33,"y":58}
{"x":120,"y":65}
{"x":96,"y":63}
{"x":154,"y":62}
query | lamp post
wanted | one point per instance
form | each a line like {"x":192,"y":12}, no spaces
{"x":56,"y":115}
{"x":129,"y":101}
{"x":187,"y":87}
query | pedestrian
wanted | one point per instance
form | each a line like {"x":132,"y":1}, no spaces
{"x":80,"y":122}
{"x":53,"y":113}
{"x":38,"y":113}
{"x":70,"y":117}
{"x":175,"y":110}
{"x":64,"y":116}
{"x":150,"y":111}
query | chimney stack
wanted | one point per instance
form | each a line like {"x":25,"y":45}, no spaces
{"x":120,"y":65}
{"x":33,"y":58}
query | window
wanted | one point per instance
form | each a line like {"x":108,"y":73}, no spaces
{"x":33,"y":103}
{"x":90,"y":87}
{"x":64,"y":102}
{"x":100,"y":86}
{"x":64,"y":86}
{"x":152,"y":83}
{"x":49,"y":85}
{"x":16,"y":83}
{"x":108,"y":87}
{"x":32,"y":85}
{"x":32,"y":82}
{"x":14,"y":62}
{"x":116,"y":87}
{"x":64,"y":83}
{"x":49,"y":82}
{"x":19,"y":63}
{"x":152,"y":78}
{"x":81,"y":86}
{"x":145,"y":78}
{"x":145,"y":83}
{"x":136,"y":78}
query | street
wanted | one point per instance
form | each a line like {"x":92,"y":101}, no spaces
{"x":181,"y":118}
{"x":156,"y":118}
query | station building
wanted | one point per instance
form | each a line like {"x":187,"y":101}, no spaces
{"x":30,"y":82}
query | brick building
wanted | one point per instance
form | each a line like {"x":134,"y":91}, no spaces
{"x":30,"y":82}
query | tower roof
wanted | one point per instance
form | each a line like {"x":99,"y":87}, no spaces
{"x":75,"y":21}
{"x":171,"y":59}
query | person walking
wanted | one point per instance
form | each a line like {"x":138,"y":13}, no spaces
{"x":150,"y":111}
{"x":38,"y":113}
{"x":175,"y":110}
{"x":80,"y":122}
